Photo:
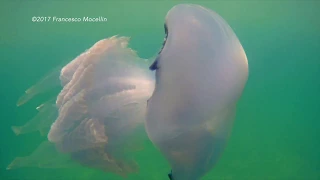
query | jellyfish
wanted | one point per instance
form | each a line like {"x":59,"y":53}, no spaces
{"x":200,"y":74}
{"x":109,"y":95}
{"x":97,"y":119}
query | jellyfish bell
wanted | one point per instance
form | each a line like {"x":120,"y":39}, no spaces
{"x":200,"y":74}
{"x":99,"y":111}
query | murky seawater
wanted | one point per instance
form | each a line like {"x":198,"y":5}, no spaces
{"x":276,"y":134}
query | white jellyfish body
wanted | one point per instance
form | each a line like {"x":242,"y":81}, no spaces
{"x":105,"y":83}
{"x":99,"y":110}
{"x":200,"y":74}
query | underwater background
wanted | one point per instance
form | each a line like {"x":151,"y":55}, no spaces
{"x":276,"y":135}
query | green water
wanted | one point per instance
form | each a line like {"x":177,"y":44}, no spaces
{"x":276,"y":134}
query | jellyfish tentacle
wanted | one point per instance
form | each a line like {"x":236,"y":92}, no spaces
{"x":50,"y":81}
